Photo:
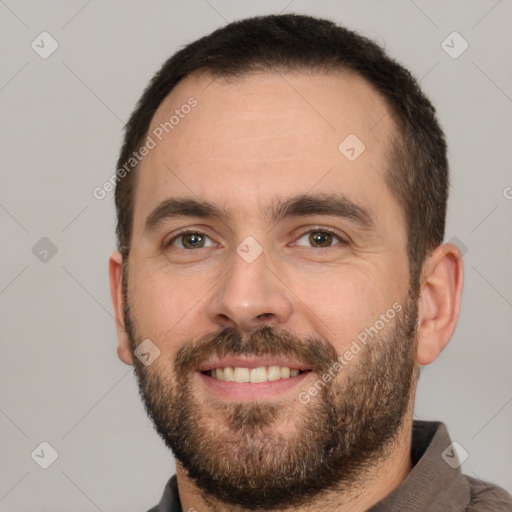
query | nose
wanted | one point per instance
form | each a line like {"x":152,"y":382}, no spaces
{"x":250,"y":296}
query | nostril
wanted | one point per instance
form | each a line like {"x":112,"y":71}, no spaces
{"x":265,"y":315}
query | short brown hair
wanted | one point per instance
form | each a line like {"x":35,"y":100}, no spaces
{"x":417,"y":173}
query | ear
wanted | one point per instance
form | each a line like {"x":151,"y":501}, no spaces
{"x":439,"y":302}
{"x":116,"y":292}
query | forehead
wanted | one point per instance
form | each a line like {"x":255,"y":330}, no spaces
{"x":266,"y":135}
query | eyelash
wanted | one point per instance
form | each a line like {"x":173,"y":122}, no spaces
{"x":342,"y":241}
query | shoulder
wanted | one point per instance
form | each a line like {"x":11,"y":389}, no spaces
{"x":486,"y":497}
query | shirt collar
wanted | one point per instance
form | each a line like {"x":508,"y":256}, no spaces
{"x":434,"y":484}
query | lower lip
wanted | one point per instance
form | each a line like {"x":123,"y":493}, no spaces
{"x":249,"y":390}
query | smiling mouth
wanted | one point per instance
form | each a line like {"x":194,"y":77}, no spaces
{"x":253,"y":375}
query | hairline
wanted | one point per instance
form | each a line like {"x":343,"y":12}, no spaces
{"x":394,"y":145}
{"x":390,"y":141}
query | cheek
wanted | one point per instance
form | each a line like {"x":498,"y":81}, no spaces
{"x":341,"y":304}
{"x":163,"y":308}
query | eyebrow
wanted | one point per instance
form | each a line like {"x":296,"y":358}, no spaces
{"x":303,"y":205}
{"x":336,"y":205}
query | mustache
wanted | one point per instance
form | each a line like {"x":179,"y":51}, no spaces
{"x":314,"y":352}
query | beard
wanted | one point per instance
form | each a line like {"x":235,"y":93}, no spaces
{"x":234,"y":451}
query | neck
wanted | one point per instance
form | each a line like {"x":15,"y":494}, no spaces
{"x":373,"y":486}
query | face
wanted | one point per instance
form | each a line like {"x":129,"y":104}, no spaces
{"x":271,"y":273}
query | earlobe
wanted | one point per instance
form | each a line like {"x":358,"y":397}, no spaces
{"x":116,"y":292}
{"x":439,"y":302}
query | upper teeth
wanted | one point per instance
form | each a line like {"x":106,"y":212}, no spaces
{"x":261,"y":374}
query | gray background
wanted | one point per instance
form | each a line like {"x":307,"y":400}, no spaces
{"x":61,"y":127}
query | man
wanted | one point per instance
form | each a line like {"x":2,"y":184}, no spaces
{"x":281,"y":198}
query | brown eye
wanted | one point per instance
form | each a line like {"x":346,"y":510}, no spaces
{"x":320,"y":238}
{"x":191,"y":240}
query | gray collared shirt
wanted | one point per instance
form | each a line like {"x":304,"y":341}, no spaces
{"x":435,"y":483}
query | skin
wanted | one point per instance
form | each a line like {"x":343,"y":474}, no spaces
{"x":248,"y":141}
